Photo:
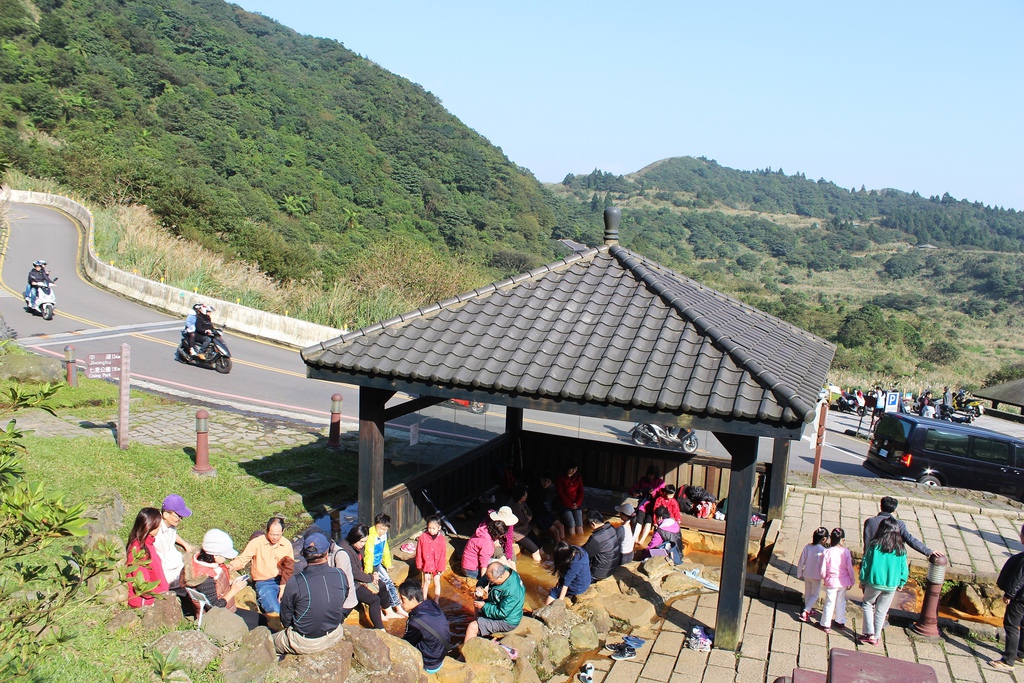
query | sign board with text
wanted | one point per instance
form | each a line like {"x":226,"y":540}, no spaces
{"x":103,"y":365}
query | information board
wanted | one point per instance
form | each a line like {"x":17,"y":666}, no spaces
{"x":103,"y":365}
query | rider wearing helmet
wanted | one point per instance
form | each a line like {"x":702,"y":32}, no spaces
{"x":199,"y":328}
{"x":37,"y":277}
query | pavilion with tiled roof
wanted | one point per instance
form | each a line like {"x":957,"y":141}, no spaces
{"x":606,"y":333}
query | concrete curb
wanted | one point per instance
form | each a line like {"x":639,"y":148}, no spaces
{"x":269,"y":326}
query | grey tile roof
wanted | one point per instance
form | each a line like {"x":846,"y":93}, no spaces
{"x":1011,"y":392}
{"x":604,"y":326}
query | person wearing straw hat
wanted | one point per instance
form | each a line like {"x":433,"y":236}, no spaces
{"x":505,"y":515}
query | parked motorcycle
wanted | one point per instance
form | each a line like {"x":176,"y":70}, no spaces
{"x":673,"y":437}
{"x":949,"y":415}
{"x":965,"y":403}
{"x":216,"y":356}
{"x":850,"y":403}
{"x":45,"y":300}
{"x":475,"y":407}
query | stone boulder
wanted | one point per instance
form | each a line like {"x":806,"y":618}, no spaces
{"x":108,"y":513}
{"x":378,"y":652}
{"x":523,"y":672}
{"x":523,"y":643}
{"x":195,"y":651}
{"x":550,"y":654}
{"x":678,"y":584}
{"x":31,"y":368}
{"x":254,"y":659}
{"x":601,"y":620}
{"x":557,"y":616}
{"x":583,"y":637}
{"x":528,"y":626}
{"x":629,"y":611}
{"x":399,"y":572}
{"x":656,"y":567}
{"x":224,"y":626}
{"x":126,"y":619}
{"x":329,"y":666}
{"x":163,"y":615}
{"x":369,"y":649}
{"x":487,"y":652}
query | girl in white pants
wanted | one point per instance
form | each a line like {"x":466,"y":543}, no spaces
{"x":809,"y":569}
{"x":837,"y":575}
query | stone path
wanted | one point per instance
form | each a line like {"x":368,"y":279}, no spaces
{"x":774,"y":642}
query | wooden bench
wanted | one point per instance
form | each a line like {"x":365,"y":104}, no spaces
{"x":716,"y":526}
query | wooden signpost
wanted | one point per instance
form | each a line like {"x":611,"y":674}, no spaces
{"x":107,"y":366}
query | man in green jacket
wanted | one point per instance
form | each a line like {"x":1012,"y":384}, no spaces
{"x":502,"y":608}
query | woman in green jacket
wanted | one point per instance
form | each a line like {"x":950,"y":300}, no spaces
{"x":882,"y":571}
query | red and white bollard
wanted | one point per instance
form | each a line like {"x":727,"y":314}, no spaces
{"x":203,"y":444}
{"x":71,"y":366}
{"x":334,"y":440}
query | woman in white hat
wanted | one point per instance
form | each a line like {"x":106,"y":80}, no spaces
{"x":505,"y":515}
{"x":207,"y":572}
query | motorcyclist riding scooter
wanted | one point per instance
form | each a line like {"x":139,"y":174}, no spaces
{"x":199,"y":329}
{"x":39,"y":296}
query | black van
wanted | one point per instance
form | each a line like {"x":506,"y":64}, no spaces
{"x":940,"y":453}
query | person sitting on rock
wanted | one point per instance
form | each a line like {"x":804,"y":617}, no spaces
{"x":172,"y":512}
{"x":500,"y":605}
{"x":266,"y":553}
{"x":140,"y":551}
{"x":572,"y":567}
{"x":207,"y":572}
{"x":427,"y":629}
{"x":603,"y":546}
{"x":312,"y":607}
{"x":667,"y":538}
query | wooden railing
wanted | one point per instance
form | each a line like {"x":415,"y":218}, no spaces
{"x":612,"y":466}
{"x":450,"y":486}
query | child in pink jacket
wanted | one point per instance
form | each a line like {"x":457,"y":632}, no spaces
{"x":809,"y":569}
{"x":837,"y":575}
{"x":431,"y":556}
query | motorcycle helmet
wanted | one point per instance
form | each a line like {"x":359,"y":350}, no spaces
{"x":202,"y":309}
{"x":38,"y":263}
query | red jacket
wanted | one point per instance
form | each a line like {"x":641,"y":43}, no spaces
{"x":570,"y":491}
{"x":154,"y":572}
{"x":431,"y":553}
{"x":671,"y":503}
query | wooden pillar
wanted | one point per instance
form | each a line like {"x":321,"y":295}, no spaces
{"x":743,"y":473}
{"x":371,"y":452}
{"x":777,"y":483}
{"x":513,"y":420}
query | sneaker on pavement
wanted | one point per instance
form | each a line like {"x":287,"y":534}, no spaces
{"x":625,"y":653}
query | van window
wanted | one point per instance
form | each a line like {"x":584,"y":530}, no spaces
{"x":990,"y":450}
{"x":894,"y":429}
{"x":951,"y":443}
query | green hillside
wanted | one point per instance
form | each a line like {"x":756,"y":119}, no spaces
{"x":286,"y":150}
{"x":912,"y":289}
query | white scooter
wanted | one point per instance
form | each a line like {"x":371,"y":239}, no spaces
{"x":45,"y":300}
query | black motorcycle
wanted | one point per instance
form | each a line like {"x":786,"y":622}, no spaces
{"x":216,"y":355}
{"x":673,"y":437}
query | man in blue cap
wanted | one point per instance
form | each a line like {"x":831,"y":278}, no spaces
{"x":312,"y":607}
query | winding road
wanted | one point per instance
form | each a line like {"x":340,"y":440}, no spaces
{"x":266,"y":377}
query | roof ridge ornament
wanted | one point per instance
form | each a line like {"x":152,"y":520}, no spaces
{"x":612,"y":216}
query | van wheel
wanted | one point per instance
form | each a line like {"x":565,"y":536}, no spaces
{"x":929,"y":480}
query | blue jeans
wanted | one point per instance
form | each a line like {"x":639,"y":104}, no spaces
{"x":385,"y":578}
{"x":267,"y":592}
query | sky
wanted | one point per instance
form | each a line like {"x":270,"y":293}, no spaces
{"x":925,"y":96}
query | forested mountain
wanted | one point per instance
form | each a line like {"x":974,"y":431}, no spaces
{"x":287,"y":150}
{"x":336,"y":176}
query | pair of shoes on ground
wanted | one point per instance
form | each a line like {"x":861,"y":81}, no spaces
{"x":1000,"y":665}
{"x":630,"y":641}
{"x":586,"y":674}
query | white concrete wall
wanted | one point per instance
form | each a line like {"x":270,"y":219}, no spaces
{"x":278,"y":328}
